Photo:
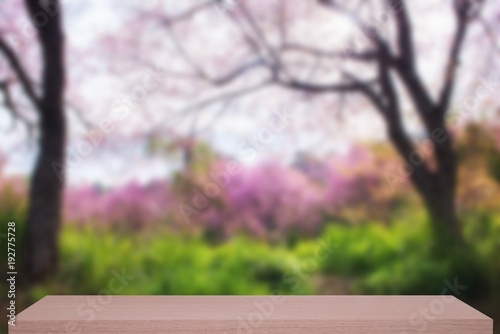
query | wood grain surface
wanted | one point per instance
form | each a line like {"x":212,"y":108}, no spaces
{"x":252,"y":314}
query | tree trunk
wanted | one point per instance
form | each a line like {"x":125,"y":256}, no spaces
{"x":436,"y":188}
{"x":440,"y":203}
{"x":40,"y":255}
{"x":440,"y":197}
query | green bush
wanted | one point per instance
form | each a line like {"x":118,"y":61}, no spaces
{"x":164,"y":263}
{"x":399,"y":259}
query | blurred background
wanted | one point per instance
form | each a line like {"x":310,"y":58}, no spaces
{"x":251,"y":147}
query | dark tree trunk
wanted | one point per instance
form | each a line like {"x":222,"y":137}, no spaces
{"x":440,"y":197}
{"x":441,"y":207}
{"x":40,"y":256}
{"x":436,"y":187}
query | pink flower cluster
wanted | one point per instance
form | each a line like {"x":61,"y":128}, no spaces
{"x":132,"y":205}
{"x":267,"y":200}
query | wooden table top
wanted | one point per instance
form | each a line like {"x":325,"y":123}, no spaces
{"x":252,"y":314}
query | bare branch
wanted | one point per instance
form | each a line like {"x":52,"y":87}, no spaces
{"x":361,"y":56}
{"x":282,"y":25}
{"x":387,"y":86}
{"x":199,"y":71}
{"x":190,"y":12}
{"x":278,"y":64}
{"x":405,"y":38}
{"x":464,"y":10}
{"x":416,"y":89}
{"x":168,"y":22}
{"x":369,"y":31}
{"x":491,"y":34}
{"x":20,"y":72}
{"x":11,"y":107}
{"x":450,"y":71}
{"x":224,"y":108}
{"x":369,"y":92}
{"x":225,"y":96}
{"x":250,"y":41}
{"x":404,"y":63}
{"x":79,"y":114}
{"x":181,"y":50}
{"x":326,"y":88}
{"x":237,"y":72}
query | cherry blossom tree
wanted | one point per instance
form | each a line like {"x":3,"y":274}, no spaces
{"x":372,"y":53}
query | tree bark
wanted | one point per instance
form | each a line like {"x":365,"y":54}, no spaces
{"x":437,"y":188}
{"x":40,"y":255}
{"x":440,"y":197}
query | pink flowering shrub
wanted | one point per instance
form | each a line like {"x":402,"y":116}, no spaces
{"x":269,"y":200}
{"x":266,"y":200}
{"x":132,"y":205}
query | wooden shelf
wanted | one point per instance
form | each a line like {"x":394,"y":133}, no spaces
{"x":252,"y":314}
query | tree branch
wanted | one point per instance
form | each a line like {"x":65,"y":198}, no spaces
{"x":370,"y":55}
{"x":190,"y":12}
{"x":369,"y":92}
{"x":225,"y":96}
{"x":369,"y":31}
{"x":79,"y":114}
{"x":236,"y":72}
{"x":199,"y":71}
{"x":11,"y":107}
{"x":278,"y":64}
{"x":405,"y":38}
{"x":20,"y":72}
{"x":405,"y":64}
{"x":181,"y":50}
{"x":327,"y":88}
{"x":281,"y":20}
{"x":463,"y":14}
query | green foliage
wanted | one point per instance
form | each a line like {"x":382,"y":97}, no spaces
{"x":400,"y":259}
{"x":12,"y":209}
{"x":396,"y":259}
{"x":164,"y":263}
